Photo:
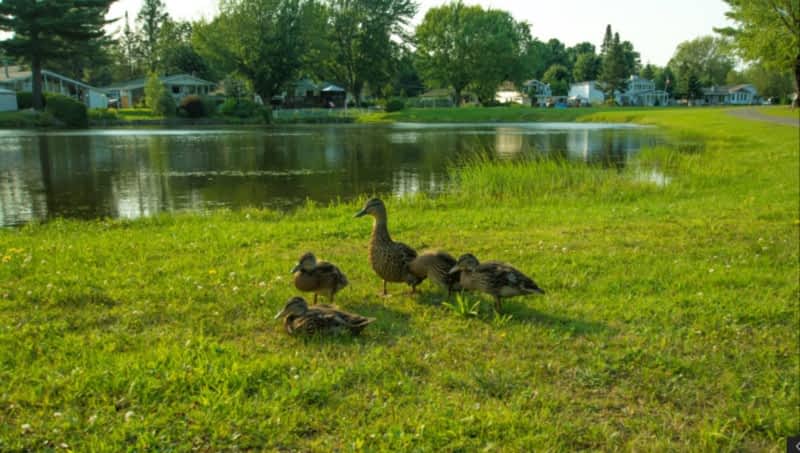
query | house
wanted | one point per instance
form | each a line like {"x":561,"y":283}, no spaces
{"x":18,"y":79}
{"x":537,"y":91}
{"x":131,"y":93}
{"x":641,"y":92}
{"x":508,"y":93}
{"x":744,"y":94}
{"x":586,"y":92}
{"x":8,"y":100}
{"x":305,"y":93}
{"x":444,"y":97}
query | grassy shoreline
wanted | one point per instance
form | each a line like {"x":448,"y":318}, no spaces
{"x":669,"y":323}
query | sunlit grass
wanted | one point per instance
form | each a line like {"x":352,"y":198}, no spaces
{"x":669,"y":323}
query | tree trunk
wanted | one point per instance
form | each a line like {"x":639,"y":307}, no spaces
{"x":796,"y":101}
{"x":36,"y":83}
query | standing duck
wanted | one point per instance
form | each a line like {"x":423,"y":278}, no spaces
{"x":494,"y":278}
{"x":318,"y":277}
{"x":300,"y":318}
{"x":436,"y":266}
{"x":389,"y":259}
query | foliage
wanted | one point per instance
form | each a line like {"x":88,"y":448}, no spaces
{"x":707,"y":58}
{"x":461,"y":46}
{"x":558,"y":78}
{"x":236,"y":87}
{"x":395,"y":105}
{"x":103,"y":114}
{"x":156,"y":334}
{"x":48,"y":30}
{"x":407,"y":81}
{"x":463,"y":306}
{"x":769,"y":83}
{"x":69,"y":111}
{"x":193,"y":106}
{"x":614,"y":70}
{"x":242,"y":108}
{"x":166,"y":105}
{"x":151,"y":17}
{"x":153,"y":92}
{"x":768,"y":32}
{"x":587,"y":67}
{"x":25,"y":100}
{"x":26,"y":119}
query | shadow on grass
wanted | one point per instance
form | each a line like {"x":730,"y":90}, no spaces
{"x":522,"y":313}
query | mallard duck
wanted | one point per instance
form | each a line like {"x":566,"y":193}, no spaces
{"x":318,"y":277}
{"x":436,"y":266}
{"x":389,"y":259}
{"x":494,"y":278}
{"x":300,"y":318}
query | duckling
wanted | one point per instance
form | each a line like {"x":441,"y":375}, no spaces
{"x":300,"y":318}
{"x":494,"y":278}
{"x":436,"y":266}
{"x":389,"y":259}
{"x":318,"y":277}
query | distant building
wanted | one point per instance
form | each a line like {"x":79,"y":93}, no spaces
{"x":305,"y":93}
{"x":586,"y":92}
{"x":507,"y":93}
{"x":130,"y":93}
{"x":445,"y":97}
{"x":8,"y":100}
{"x":744,"y":94}
{"x":537,"y":91}
{"x":18,"y":79}
{"x":642,"y":92}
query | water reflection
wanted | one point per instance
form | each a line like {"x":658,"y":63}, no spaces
{"x":134,"y":173}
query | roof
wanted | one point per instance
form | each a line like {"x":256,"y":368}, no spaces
{"x":4,"y":91}
{"x":507,"y":86}
{"x":174,"y":79}
{"x":14,"y":73}
{"x":18,"y":73}
{"x":332,"y":88}
{"x":740,"y":87}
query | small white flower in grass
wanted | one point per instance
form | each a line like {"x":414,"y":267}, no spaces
{"x":57,"y":414}
{"x":63,"y":445}
{"x":26,"y":428}
{"x":129,"y":415}
{"x":262,"y":284}
{"x":92,"y":419}
{"x":711,"y":271}
{"x":235,"y":288}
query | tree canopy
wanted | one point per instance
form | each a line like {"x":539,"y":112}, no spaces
{"x":706,"y":57}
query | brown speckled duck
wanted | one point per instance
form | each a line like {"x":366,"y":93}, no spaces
{"x":389,"y":259}
{"x":494,"y":278}
{"x":436,"y":266}
{"x":318,"y":277}
{"x":300,"y":318}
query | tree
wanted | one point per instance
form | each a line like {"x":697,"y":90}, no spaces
{"x":47,"y":30}
{"x":587,"y":67}
{"x":706,"y":57}
{"x":558,"y":78}
{"x":461,"y":46}
{"x":768,"y":33}
{"x":153,"y":91}
{"x":613,"y":72}
{"x":362,"y":46}
{"x":176,"y":54}
{"x":648,"y":72}
{"x":152,"y":16}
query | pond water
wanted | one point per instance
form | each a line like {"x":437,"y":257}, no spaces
{"x":133,"y":173}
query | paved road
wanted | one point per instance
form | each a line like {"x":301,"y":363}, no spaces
{"x":753,"y":114}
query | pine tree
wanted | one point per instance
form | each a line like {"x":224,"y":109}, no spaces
{"x":613,"y":73}
{"x":608,"y":41}
{"x":151,"y":18}
{"x":47,"y":30}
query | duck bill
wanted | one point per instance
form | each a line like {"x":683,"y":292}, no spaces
{"x":360,"y":213}
{"x":280,"y":314}
{"x":454,"y":270}
{"x":538,"y":290}
{"x":295,"y":268}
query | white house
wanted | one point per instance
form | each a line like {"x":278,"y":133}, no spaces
{"x":8,"y":100}
{"x":538,"y":91}
{"x":18,"y":79}
{"x":179,"y":86}
{"x":508,"y":93}
{"x":744,"y":94}
{"x":588,"y":91}
{"x":641,"y":92}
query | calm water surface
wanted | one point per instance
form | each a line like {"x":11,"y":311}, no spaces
{"x":133,"y":173}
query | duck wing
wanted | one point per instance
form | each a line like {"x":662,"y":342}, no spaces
{"x":332,"y":274}
{"x":502,"y":275}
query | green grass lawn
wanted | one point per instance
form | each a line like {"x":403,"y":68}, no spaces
{"x":780,"y":110}
{"x":669,"y":323}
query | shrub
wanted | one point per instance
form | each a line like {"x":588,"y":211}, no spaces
{"x":194,"y":107}
{"x":103,"y":114}
{"x":211,"y":104}
{"x":67,"y":110}
{"x":266,"y":114}
{"x":24,"y":100}
{"x":395,"y":105}
{"x":166,"y":105}
{"x":243,"y":108}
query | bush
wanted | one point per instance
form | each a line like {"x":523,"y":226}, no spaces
{"x":166,"y":105}
{"x":193,"y":106}
{"x":243,"y":108}
{"x":103,"y":114}
{"x":266,"y":114}
{"x":211,"y":105}
{"x":24,"y":100}
{"x":395,"y":105}
{"x":67,"y":110}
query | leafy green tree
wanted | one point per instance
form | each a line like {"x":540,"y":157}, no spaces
{"x":362,"y":46}
{"x":177,"y":54}
{"x":664,"y":79}
{"x":50,"y":30}
{"x":613,"y":72}
{"x":768,"y":32}
{"x":152,"y":17}
{"x":587,"y":67}
{"x":707,"y":57}
{"x":461,"y":46}
{"x":558,"y":78}
{"x":153,"y":91}
{"x":648,"y":72}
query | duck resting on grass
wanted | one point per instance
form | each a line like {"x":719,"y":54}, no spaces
{"x":389,"y":259}
{"x":319,"y":277}
{"x":300,"y":318}
{"x":494,"y":278}
{"x":436,"y":266}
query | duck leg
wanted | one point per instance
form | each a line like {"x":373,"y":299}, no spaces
{"x":497,"y":303}
{"x":384,"y":287}
{"x":315,"y":298}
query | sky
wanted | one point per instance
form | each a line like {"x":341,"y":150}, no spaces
{"x":655,"y":27}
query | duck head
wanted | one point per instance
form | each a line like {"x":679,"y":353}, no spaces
{"x":307,"y":262}
{"x":466,"y":262}
{"x":295,"y":306}
{"x":373,"y":207}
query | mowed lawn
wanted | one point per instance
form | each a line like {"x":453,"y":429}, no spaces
{"x":670,"y":321}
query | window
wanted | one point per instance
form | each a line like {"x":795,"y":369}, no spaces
{"x":176,"y":89}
